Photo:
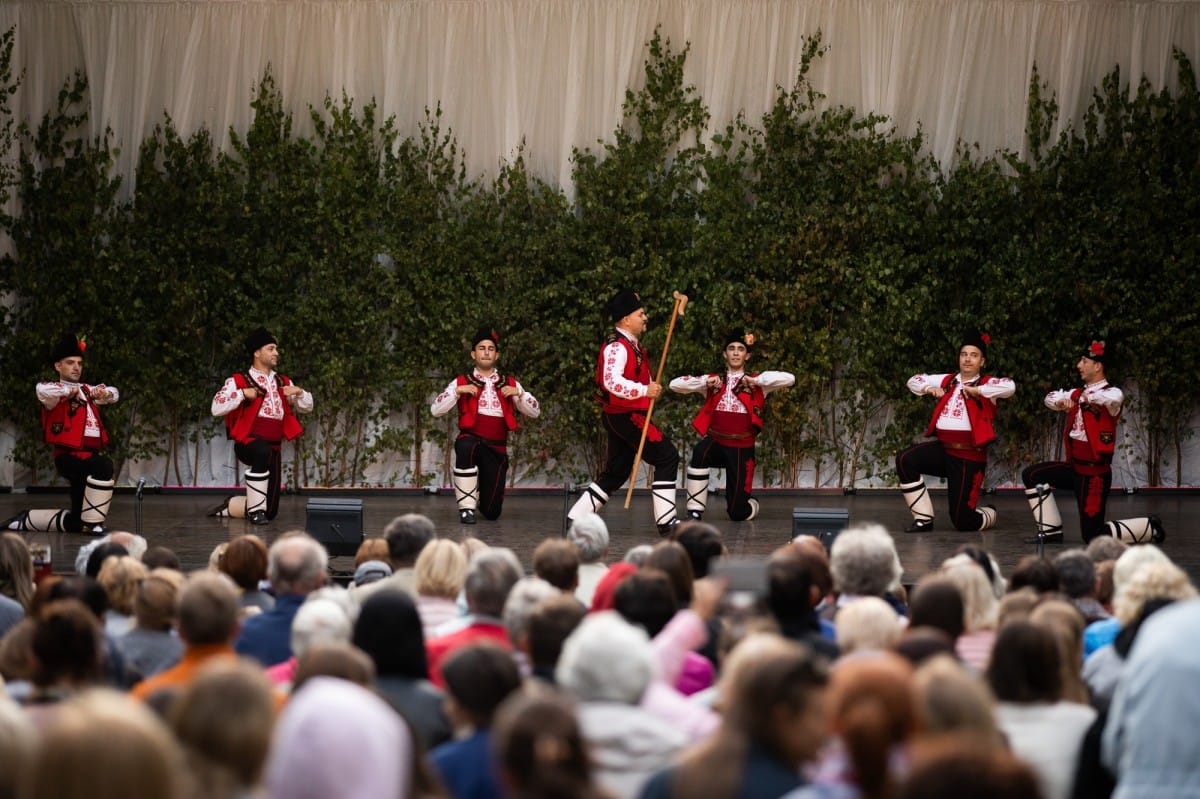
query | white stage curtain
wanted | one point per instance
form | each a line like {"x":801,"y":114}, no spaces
{"x":553,"y":73}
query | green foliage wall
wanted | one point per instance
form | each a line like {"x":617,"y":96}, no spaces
{"x":851,"y":254}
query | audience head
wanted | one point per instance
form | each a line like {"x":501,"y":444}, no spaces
{"x":18,"y":737}
{"x":389,"y":630}
{"x":1076,"y":574}
{"x":334,"y":659}
{"x":864,"y":561}
{"x":100,"y":554}
{"x":637,"y":555}
{"x":955,"y":702}
{"x":296,"y":564}
{"x":490,"y":576}
{"x":984,"y":560}
{"x":161,"y":558}
{"x":1017,"y":604}
{"x":321,"y":619}
{"x":647,"y":600}
{"x":949,"y":768}
{"x":1026,"y":664}
{"x":1033,"y":571}
{"x":406,"y":536}
{"x":937,"y":603}
{"x":331,"y":721}
{"x":867,"y":623}
{"x":526,"y":594}
{"x":702,"y":542}
{"x":224,"y":719}
{"x":797,"y":579}
{"x":67,"y":646}
{"x":590,"y":534}
{"x":550,"y":624}
{"x":588,"y":670}
{"x":919,"y":644}
{"x":120,"y":578}
{"x":872,"y":709}
{"x":980,"y":607}
{"x":208,"y":610}
{"x":375,"y":548}
{"x":556,"y":560}
{"x":1105,"y":547}
{"x":16,"y":570}
{"x":245,"y":561}
{"x":440,"y":569}
{"x":673,"y":560}
{"x":1155,"y":580}
{"x":157,"y":598}
{"x":105,"y":745}
{"x":478,"y":677}
{"x":1066,"y":623}
{"x":540,"y":750}
{"x":85,"y":589}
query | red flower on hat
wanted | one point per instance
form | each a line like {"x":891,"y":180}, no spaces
{"x":749,"y":339}
{"x":986,"y":339}
{"x":1096,"y":348}
{"x":82,"y":343}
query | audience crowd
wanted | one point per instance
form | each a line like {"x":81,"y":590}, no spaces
{"x":450,"y":669}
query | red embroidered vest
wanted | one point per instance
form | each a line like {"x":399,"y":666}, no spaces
{"x":980,"y":412}
{"x":1098,"y":423}
{"x":64,"y":424}
{"x":240,"y":421}
{"x":468,"y":404}
{"x":636,"y":369}
{"x":751,"y":396}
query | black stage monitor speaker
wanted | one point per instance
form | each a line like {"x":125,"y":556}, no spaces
{"x":336,"y":523}
{"x":823,"y":523}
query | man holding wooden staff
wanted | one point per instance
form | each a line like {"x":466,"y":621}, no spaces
{"x":626,"y":390}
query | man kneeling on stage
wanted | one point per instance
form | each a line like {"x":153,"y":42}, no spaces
{"x":260,"y":407}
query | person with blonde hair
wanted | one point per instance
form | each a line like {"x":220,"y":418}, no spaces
{"x":439,"y":573}
{"x":956,"y":703}
{"x":104,"y":745}
{"x":151,"y":646}
{"x":16,"y":571}
{"x":980,"y":610}
{"x":867,"y":623}
{"x":120,"y":578}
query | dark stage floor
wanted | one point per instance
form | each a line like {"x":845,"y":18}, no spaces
{"x":177,"y":520}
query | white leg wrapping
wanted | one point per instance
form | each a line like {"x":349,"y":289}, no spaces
{"x":590,"y":501}
{"x":1139,"y":530}
{"x":753,"y":509}
{"x":41,"y":520}
{"x":97,"y":496}
{"x":256,"y":491}
{"x":989,"y":517}
{"x":466,"y":487}
{"x":234,"y":508}
{"x":916,"y":496}
{"x":696,"y":486}
{"x":1045,"y":509}
{"x":662,"y":496}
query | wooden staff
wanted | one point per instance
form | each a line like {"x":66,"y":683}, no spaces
{"x":681,"y":302}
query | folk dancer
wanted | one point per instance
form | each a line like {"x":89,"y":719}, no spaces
{"x":729,"y":421}
{"x":488,"y":403}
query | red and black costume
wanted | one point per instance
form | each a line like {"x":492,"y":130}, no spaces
{"x":485,"y":418}
{"x":258,"y":428}
{"x":1090,"y":439}
{"x":728,"y":423}
{"x":623,"y":378}
{"x":963,"y":428}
